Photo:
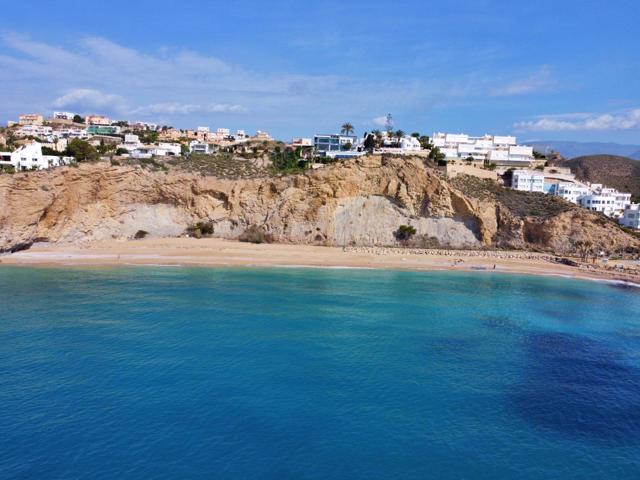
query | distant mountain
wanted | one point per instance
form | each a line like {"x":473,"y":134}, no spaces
{"x":614,"y":171}
{"x":580,"y":149}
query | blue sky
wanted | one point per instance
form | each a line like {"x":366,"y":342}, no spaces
{"x":562,"y":69}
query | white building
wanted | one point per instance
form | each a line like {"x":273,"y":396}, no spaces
{"x":30,"y":157}
{"x":63,"y":115}
{"x":631,"y":216}
{"x":301,"y":142}
{"x":131,"y":142}
{"x":605,"y":200}
{"x":168,"y":149}
{"x":262,"y":136}
{"x":198,"y":147}
{"x":160,"y":150}
{"x":501,"y":150}
{"x":572,"y":192}
{"x":37,"y":131}
{"x":527,"y":181}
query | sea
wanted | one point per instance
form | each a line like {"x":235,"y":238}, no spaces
{"x":299,"y":373}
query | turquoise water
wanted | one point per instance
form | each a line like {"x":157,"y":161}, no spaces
{"x":316,"y":374}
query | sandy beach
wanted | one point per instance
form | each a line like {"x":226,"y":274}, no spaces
{"x":227,"y":253}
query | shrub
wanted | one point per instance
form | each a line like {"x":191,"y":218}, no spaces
{"x":140,"y":234}
{"x":81,"y":150}
{"x":404,"y":233}
{"x":255,"y":234}
{"x":200,"y":229}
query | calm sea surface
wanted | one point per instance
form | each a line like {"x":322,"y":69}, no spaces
{"x":179,"y":373}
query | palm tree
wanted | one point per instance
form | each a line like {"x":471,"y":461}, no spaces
{"x":399,"y":135}
{"x":346,"y":128}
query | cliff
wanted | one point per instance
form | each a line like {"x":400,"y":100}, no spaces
{"x":356,"y":203}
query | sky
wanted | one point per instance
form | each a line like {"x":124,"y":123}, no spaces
{"x":541,"y":70}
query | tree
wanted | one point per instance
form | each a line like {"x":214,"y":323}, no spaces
{"x":370,"y":142}
{"x":81,"y":150}
{"x":415,"y":135}
{"x":436,"y":154}
{"x":404,"y":233}
{"x":122,"y":151}
{"x":399,"y":134}
{"x":149,"y":136}
{"x":50,"y":151}
{"x":346,"y":129}
{"x":105,"y":148}
{"x":584,"y":248}
{"x":425,"y":142}
{"x":346,"y":146}
{"x":78,"y":119}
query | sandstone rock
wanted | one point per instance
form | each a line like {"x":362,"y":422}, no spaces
{"x":360,"y":202}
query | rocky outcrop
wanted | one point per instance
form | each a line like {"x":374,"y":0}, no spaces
{"x":356,"y":203}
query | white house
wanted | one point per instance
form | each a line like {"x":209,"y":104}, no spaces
{"x":605,"y":200}
{"x":198,"y":147}
{"x":160,"y":150}
{"x":38,"y":131}
{"x":572,"y":192}
{"x":30,"y":157}
{"x":527,"y":181}
{"x":631,"y":216}
{"x":63,"y":115}
{"x":131,"y":142}
{"x":501,"y":150}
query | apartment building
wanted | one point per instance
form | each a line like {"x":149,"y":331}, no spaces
{"x":501,"y":150}
{"x":324,"y":143}
{"x":63,"y":116}
{"x":527,"y":181}
{"x":631,"y":216}
{"x":605,"y":200}
{"x":30,"y":119}
{"x":97,"y":120}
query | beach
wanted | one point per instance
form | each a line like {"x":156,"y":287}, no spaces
{"x":214,"y":252}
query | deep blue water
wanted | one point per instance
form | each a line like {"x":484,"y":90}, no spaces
{"x":183,"y":373}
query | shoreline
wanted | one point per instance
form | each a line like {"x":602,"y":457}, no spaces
{"x":214,"y":252}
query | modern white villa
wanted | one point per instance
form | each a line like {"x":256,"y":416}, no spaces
{"x":527,"y":181}
{"x":336,"y":145}
{"x":30,"y":157}
{"x":501,"y":150}
{"x":631,"y":216}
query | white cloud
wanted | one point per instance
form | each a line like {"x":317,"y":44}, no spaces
{"x":85,"y":99}
{"x":628,"y":120}
{"x":538,"y":81}
{"x":187,"y":109}
{"x":379,"y":121}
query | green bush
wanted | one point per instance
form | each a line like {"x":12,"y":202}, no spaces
{"x":140,"y":234}
{"x":404,"y":233}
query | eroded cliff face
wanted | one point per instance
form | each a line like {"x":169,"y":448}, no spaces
{"x":357,"y":203}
